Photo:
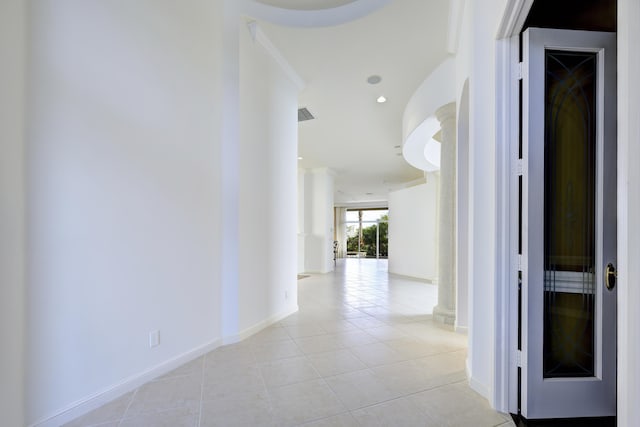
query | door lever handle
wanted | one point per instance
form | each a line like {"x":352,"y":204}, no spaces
{"x":610,"y":275}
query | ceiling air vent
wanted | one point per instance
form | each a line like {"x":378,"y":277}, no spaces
{"x":304,"y":115}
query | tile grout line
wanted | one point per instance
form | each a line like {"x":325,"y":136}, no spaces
{"x":124,"y":414}
{"x":322,"y":378}
{"x":327,"y":315}
{"x":264,"y":384}
{"x":204,"y":364}
{"x":404,"y":396}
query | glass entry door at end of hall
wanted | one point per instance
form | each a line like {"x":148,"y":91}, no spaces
{"x":568,"y":224}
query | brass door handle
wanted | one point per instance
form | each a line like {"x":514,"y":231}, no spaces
{"x":610,"y":275}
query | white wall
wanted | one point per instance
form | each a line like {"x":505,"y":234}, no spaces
{"x":301,"y":220}
{"x":318,"y":220}
{"x":124,"y":191}
{"x":462,"y":212}
{"x":628,"y":213}
{"x":413,"y":225}
{"x":268,"y":186}
{"x":341,"y":231}
{"x":437,"y":90}
{"x":161,"y":194}
{"x":12,"y":209}
{"x":419,"y":122}
{"x":478,"y":52}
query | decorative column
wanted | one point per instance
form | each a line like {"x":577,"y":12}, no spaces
{"x":445,"y":311}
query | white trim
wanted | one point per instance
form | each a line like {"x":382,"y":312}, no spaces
{"x":431,"y":281}
{"x":259,"y":36}
{"x":462,"y":329}
{"x":106,"y":395}
{"x":628,"y":205}
{"x":507,"y":125}
{"x":246,"y":333}
{"x":383,"y":204}
{"x":456,"y":8}
{"x":461,"y":229}
{"x":479,"y":387}
{"x":515,"y":14}
{"x":96,"y":400}
{"x":326,"y":170}
{"x":415,"y":182}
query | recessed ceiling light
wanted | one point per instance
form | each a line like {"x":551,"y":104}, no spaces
{"x":374,"y":79}
{"x":381,"y":99}
{"x":299,"y":158}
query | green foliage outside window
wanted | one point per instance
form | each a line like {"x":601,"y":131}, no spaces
{"x":368,"y":243}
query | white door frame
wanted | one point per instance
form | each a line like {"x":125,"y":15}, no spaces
{"x":508,"y":123}
{"x":515,"y":13}
{"x":628,"y":212}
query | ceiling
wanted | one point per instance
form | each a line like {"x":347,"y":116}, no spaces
{"x":353,"y":135}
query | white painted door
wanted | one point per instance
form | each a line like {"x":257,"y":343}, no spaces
{"x":568,"y":224}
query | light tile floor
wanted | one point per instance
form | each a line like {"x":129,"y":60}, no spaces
{"x":362,"y":351}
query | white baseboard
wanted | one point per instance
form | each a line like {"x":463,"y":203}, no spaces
{"x":480,"y":388}
{"x":430,"y":281}
{"x":88,"y":404}
{"x":317,"y":271}
{"x":462,"y":329}
{"x":246,"y":333}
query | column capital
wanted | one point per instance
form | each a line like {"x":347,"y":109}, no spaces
{"x":446,"y":112}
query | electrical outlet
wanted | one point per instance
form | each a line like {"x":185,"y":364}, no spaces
{"x":154,"y":338}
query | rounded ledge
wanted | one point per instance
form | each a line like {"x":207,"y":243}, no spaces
{"x":322,"y":17}
{"x":306,"y":4}
{"x":419,"y":122}
{"x":420,"y":150}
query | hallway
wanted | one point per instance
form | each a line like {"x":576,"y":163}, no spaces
{"x":362,"y":350}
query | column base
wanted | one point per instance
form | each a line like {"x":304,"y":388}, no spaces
{"x":444,"y":316}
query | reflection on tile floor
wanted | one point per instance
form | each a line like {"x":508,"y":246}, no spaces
{"x":362,"y":351}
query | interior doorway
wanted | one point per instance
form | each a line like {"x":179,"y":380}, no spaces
{"x":566,"y":333}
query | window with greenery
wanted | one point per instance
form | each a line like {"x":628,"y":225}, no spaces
{"x":367,"y":233}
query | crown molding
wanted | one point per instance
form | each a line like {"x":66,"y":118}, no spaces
{"x":456,"y":7}
{"x":260,"y":37}
{"x":515,"y":14}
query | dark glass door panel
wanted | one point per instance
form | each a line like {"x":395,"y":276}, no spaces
{"x":569,"y":213}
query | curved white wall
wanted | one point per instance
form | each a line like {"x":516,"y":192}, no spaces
{"x":12,"y":210}
{"x":436,"y":90}
{"x":299,"y":17}
{"x":419,"y":123}
{"x":268,"y":188}
{"x":148,"y":207}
